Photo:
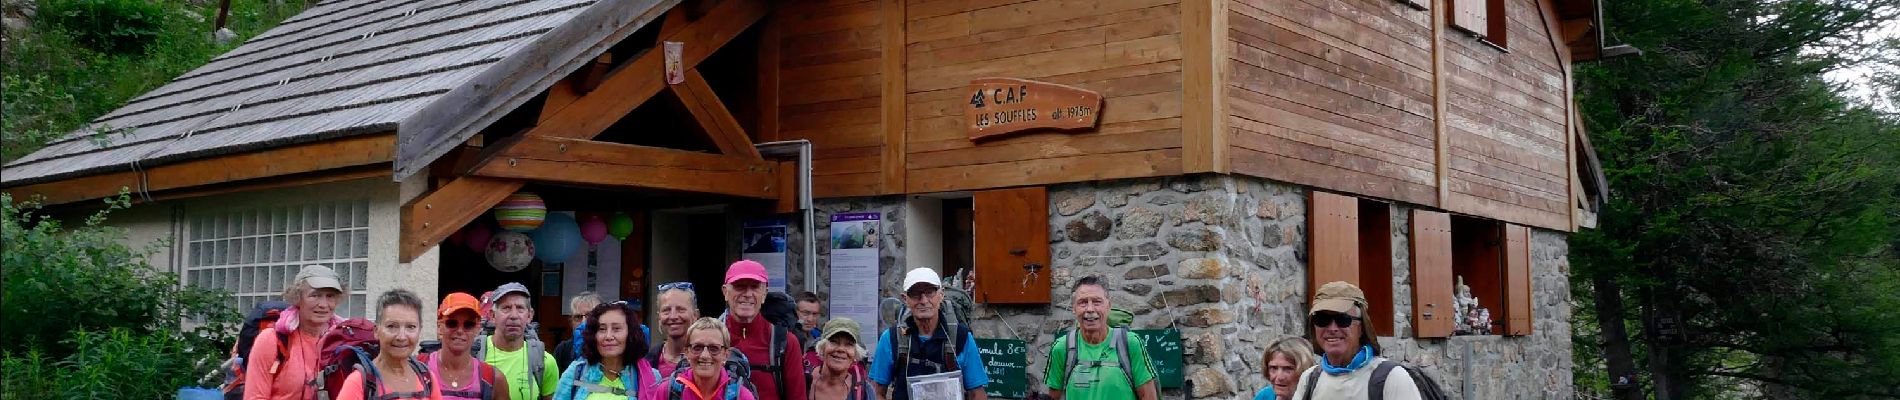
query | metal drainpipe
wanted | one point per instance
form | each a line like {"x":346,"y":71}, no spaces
{"x":783,"y":149}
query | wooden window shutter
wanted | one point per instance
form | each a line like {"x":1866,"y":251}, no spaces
{"x":1517,"y":280}
{"x":1011,"y":246}
{"x":1498,"y":24}
{"x":1433,"y":310}
{"x":1470,"y":15}
{"x":1333,"y":242}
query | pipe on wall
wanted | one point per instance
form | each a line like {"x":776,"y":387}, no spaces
{"x":801,"y":150}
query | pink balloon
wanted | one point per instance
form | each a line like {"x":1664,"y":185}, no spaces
{"x":593,"y":228}
{"x":476,"y":239}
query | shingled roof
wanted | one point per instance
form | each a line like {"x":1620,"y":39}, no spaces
{"x":341,"y":68}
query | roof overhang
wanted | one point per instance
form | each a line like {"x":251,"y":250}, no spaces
{"x":1583,"y":31}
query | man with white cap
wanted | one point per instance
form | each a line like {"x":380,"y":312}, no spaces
{"x":924,"y":345}
{"x":772,"y":351}
{"x":1349,"y":365}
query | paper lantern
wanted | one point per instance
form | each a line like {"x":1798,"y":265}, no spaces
{"x":456,"y":239}
{"x":557,"y":238}
{"x":593,"y":228}
{"x":510,"y":251}
{"x":521,"y":212}
{"x":476,"y":236}
{"x":620,"y":225}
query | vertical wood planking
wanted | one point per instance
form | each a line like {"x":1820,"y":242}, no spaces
{"x":1203,"y":95}
{"x":1012,"y":234}
{"x":892,"y":115}
{"x":1334,"y":245}
{"x":768,"y":65}
{"x":1517,"y":280}
{"x":1433,"y":310}
{"x":830,"y":86}
{"x":1507,"y":120}
{"x":1442,"y":145}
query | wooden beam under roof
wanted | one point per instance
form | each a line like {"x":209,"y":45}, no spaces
{"x":713,"y":117}
{"x":295,"y":159}
{"x":625,"y":166}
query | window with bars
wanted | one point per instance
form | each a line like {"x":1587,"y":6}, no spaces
{"x":255,"y":253}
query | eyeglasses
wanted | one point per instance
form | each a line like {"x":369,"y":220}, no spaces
{"x":1327,"y":319}
{"x":687,"y":286}
{"x":460,"y":324}
{"x":919,"y":294}
{"x":713,"y":349}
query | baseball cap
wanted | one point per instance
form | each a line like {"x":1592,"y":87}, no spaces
{"x":319,"y":277}
{"x":745,"y":269}
{"x":922,"y":275}
{"x":505,"y":289}
{"x":1337,"y":296}
{"x":459,"y":301}
{"x":839,"y":326}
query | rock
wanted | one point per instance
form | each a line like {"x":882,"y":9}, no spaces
{"x":1197,"y":239}
{"x":1206,"y":317}
{"x":1138,"y":223}
{"x":1191,"y":295}
{"x":1088,"y":258}
{"x":1206,"y":209}
{"x":1272,"y":237}
{"x":1187,"y":185}
{"x":1152,"y":250}
{"x":1093,"y":227}
{"x":1119,"y":255}
{"x":1074,"y":202}
{"x":14,"y":26}
{"x":1163,"y":200}
{"x":1209,"y":382}
{"x":1208,"y":348}
{"x":1268,"y":209}
{"x":1065,"y":254}
{"x":1147,"y":272}
{"x":1138,"y":289}
{"x":1200,"y":268}
{"x":1118,"y":198}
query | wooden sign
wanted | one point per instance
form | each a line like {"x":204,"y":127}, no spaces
{"x":1000,"y":106}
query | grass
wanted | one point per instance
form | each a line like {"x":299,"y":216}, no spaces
{"x":84,"y":58}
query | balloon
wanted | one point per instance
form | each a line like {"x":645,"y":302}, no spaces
{"x":593,"y":228}
{"x":557,"y":238}
{"x":620,"y":225}
{"x":510,"y":251}
{"x":460,"y":235}
{"x":476,"y":236}
{"x":521,"y":212}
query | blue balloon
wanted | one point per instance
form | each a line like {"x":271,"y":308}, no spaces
{"x":557,"y":238}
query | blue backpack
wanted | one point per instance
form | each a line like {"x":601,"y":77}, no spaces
{"x":675,"y":389}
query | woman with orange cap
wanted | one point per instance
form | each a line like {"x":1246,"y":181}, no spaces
{"x":457,"y":373}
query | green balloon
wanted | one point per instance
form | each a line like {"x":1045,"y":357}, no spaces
{"x":620,"y":225}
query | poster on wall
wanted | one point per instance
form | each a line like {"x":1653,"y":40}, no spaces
{"x":763,"y":240}
{"x":593,"y":267}
{"x":854,"y":258}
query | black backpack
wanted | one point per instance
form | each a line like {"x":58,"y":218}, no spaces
{"x":1428,"y":388}
{"x":266,"y":311}
{"x":782,"y":313}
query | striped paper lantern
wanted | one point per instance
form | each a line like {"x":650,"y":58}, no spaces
{"x":521,"y":212}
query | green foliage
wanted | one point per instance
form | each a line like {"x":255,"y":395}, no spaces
{"x":82,"y":314}
{"x":115,"y":364}
{"x":1751,"y":202}
{"x":87,"y":57}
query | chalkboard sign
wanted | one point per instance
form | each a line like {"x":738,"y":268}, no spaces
{"x":1164,"y":347}
{"x":1007,"y":362}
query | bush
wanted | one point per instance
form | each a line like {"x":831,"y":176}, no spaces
{"x":82,"y":315}
{"x":111,"y":26}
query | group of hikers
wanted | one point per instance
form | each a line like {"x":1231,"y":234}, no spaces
{"x":756,"y":350}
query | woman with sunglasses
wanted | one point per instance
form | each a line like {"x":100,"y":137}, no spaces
{"x":611,"y":367}
{"x":679,"y":307}
{"x":705,"y":377}
{"x":458,"y":375}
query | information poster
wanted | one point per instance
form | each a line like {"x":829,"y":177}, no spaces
{"x":763,"y":240}
{"x":593,"y":268}
{"x":1164,"y":347}
{"x":854,"y":258}
{"x":1007,"y":362}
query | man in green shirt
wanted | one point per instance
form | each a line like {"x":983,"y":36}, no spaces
{"x":1109,"y":364}
{"x":510,"y":349}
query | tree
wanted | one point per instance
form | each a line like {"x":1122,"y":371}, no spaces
{"x":1748,"y":247}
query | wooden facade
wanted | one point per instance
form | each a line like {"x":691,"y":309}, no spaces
{"x":1376,"y":98}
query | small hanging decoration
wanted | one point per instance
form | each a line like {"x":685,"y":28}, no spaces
{"x":620,"y":225}
{"x":556,"y":239}
{"x":593,"y":230}
{"x":521,"y":212}
{"x":510,"y":251}
{"x":475,"y":237}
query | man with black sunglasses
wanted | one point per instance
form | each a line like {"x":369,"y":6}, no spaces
{"x":1350,"y":366}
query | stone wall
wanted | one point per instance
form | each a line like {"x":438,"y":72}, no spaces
{"x":1223,"y":258}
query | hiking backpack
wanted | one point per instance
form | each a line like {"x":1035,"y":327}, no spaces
{"x":901,"y":356}
{"x":537,"y":359}
{"x":778,"y":310}
{"x":485,"y":377}
{"x":350,"y":347}
{"x":1117,"y":339}
{"x":1428,"y":388}
{"x":631,"y":390}
{"x":676,"y":390}
{"x":736,"y":366}
{"x":263,"y":318}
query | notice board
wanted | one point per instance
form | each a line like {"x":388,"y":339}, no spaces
{"x":1164,"y":348}
{"x":1007,"y":362}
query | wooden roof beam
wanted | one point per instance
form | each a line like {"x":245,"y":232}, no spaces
{"x":713,"y":117}
{"x":625,"y":166}
{"x":295,"y":159}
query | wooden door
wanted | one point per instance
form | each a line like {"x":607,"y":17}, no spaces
{"x":1433,"y":309}
{"x":1012,"y":246}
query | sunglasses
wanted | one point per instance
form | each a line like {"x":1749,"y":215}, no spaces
{"x":712,"y":349}
{"x":460,"y":324}
{"x":1327,"y":319}
{"x":688,"y":286}
{"x":919,"y":294}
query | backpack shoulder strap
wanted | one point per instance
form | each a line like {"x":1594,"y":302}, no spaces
{"x":1312,"y":383}
{"x":952,"y":337}
{"x":777,"y":355}
{"x":673,"y":390}
{"x":480,"y":349}
{"x":537,"y":359}
{"x":900,"y":369}
{"x":1121,"y":349}
{"x":283,"y":350}
{"x":1376,"y":391}
{"x":1068,"y":365}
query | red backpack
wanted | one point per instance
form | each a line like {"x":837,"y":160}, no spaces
{"x":486,"y":375}
{"x":349,"y":347}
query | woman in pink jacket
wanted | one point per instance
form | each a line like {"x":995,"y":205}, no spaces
{"x":705,"y":377}
{"x":282,"y":360}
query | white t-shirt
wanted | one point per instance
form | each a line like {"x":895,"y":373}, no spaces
{"x":1352,"y":385}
